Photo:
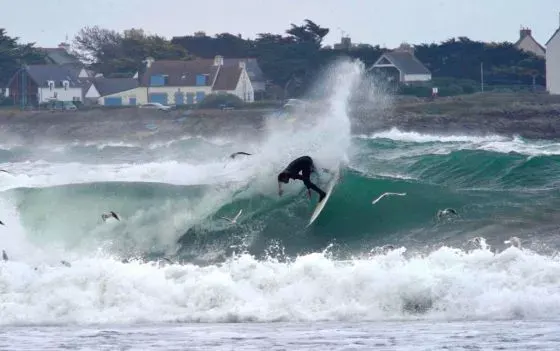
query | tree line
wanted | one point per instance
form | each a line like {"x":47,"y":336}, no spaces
{"x":288,"y":60}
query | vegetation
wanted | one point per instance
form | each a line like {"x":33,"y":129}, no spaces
{"x":291,"y":60}
{"x":13,"y":55}
{"x":221,"y":101}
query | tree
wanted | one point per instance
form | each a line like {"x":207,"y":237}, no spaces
{"x":113,"y":53}
{"x":13,"y":55}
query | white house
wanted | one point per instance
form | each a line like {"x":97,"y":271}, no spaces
{"x":553,"y":63}
{"x":402,"y":65}
{"x":39,"y":84}
{"x":527,"y":43}
{"x":116,"y":92}
{"x":188,"y":82}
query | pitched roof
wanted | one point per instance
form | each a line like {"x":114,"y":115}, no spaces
{"x":530,"y":37}
{"x":406,"y":62}
{"x":108,"y":86}
{"x":552,"y":37}
{"x":251,"y":65}
{"x":181,"y":73}
{"x":43,"y":73}
{"x":60,"y":56}
{"x":228,"y":77}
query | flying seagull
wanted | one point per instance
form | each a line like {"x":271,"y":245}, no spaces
{"x":239,"y":153}
{"x":234,"y":220}
{"x":2,"y":223}
{"x":105,"y":216}
{"x":3,"y":170}
{"x":386,"y":194}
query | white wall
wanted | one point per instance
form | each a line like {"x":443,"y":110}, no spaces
{"x":70,"y":94}
{"x":553,"y":65}
{"x":172,"y":90}
{"x":92,"y":93}
{"x":417,"y":77}
{"x":138,"y":93}
{"x":244,"y":89}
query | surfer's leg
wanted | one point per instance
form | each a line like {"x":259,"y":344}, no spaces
{"x":312,"y":186}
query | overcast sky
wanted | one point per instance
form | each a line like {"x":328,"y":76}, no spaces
{"x":383,"y":22}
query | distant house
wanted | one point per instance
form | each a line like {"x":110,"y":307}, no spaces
{"x":188,"y":82}
{"x":527,"y":43}
{"x":254,"y":71}
{"x":553,"y":63}
{"x":39,"y":84}
{"x":60,"y":55}
{"x":401,"y":66}
{"x":115,"y":92}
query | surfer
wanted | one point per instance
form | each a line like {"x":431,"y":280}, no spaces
{"x":303,"y":164}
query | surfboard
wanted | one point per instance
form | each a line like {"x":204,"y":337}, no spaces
{"x":329,"y":191}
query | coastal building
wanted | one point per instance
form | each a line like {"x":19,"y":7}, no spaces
{"x":41,"y":84}
{"x":527,"y":43}
{"x":115,"y":92}
{"x":188,"y":82}
{"x":60,"y":55}
{"x":553,"y":63}
{"x":400,"y":65}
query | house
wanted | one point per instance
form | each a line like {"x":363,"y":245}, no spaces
{"x":254,"y":71}
{"x":61,"y":55}
{"x":527,"y":43}
{"x":188,"y":82}
{"x":115,"y":92}
{"x":553,"y":63}
{"x":40,"y":84}
{"x":400,"y":65}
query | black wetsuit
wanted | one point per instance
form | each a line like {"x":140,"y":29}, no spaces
{"x":303,"y":164}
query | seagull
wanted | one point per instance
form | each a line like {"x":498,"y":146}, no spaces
{"x":3,"y":170}
{"x":386,"y":194}
{"x":105,"y":216}
{"x":66,"y":263}
{"x":239,"y":153}
{"x":2,"y":223}
{"x":234,"y":220}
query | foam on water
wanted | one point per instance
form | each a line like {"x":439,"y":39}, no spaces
{"x":495,"y":143}
{"x":448,"y":283}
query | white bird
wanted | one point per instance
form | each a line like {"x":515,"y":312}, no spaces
{"x":234,"y":219}
{"x":386,"y":194}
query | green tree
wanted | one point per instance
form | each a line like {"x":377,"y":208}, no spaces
{"x":118,"y":54}
{"x":13,"y":55}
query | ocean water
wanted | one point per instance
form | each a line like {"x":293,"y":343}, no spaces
{"x":173,"y":275}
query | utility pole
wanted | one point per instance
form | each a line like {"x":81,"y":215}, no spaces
{"x":482,"y":76}
{"x":23,"y":88}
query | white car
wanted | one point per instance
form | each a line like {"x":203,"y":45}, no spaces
{"x":156,"y":105}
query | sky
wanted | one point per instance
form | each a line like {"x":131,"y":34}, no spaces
{"x":387,"y":23}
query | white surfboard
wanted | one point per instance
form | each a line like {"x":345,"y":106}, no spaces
{"x":329,"y":190}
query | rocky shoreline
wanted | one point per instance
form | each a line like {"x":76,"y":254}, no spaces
{"x":533,"y":116}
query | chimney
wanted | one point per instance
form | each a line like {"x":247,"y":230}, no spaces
{"x":64,"y":46}
{"x":149,"y":61}
{"x":218,"y":60}
{"x":524,"y":32}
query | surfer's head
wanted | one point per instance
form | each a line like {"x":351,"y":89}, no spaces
{"x":283,"y":177}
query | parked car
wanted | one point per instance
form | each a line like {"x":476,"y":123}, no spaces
{"x":156,"y":106}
